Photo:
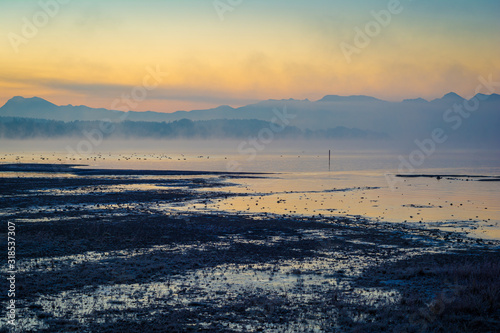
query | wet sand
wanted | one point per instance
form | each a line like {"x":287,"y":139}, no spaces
{"x":95,"y":254}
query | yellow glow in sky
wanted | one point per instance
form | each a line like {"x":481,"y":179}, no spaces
{"x":91,"y":52}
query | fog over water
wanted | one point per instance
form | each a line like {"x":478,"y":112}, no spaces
{"x":248,"y":155}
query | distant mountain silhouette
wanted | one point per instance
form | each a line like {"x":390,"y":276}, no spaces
{"x":34,"y":102}
{"x":450,"y":97}
{"x":405,"y":121}
{"x":356,"y":98}
{"x":489,"y":98}
{"x":34,"y":107}
{"x":416,"y":100}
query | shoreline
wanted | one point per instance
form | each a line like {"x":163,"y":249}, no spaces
{"x":73,"y":169}
{"x":94,"y":254}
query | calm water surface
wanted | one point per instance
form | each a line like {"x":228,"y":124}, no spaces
{"x":359,"y":183}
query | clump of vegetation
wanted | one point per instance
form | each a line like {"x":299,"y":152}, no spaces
{"x":441,"y":293}
{"x":471,"y":303}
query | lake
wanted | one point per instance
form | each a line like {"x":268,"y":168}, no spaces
{"x":360,"y":183}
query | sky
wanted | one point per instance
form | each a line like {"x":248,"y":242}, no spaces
{"x":183,"y":55}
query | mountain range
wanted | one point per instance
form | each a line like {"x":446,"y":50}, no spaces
{"x":477,"y":119}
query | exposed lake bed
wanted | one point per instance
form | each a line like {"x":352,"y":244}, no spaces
{"x":102,"y":251}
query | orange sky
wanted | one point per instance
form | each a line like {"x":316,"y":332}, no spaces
{"x":98,"y":53}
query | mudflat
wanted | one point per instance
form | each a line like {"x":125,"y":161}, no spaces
{"x":105,"y":251}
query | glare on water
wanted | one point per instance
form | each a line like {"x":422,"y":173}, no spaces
{"x":360,"y":184}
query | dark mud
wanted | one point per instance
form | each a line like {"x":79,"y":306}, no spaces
{"x":454,"y":177}
{"x":104,"y":253}
{"x":78,"y":169}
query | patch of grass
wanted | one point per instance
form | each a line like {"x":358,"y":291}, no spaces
{"x":471,"y":303}
{"x":441,"y":293}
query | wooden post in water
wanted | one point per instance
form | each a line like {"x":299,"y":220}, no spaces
{"x":329,"y":158}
